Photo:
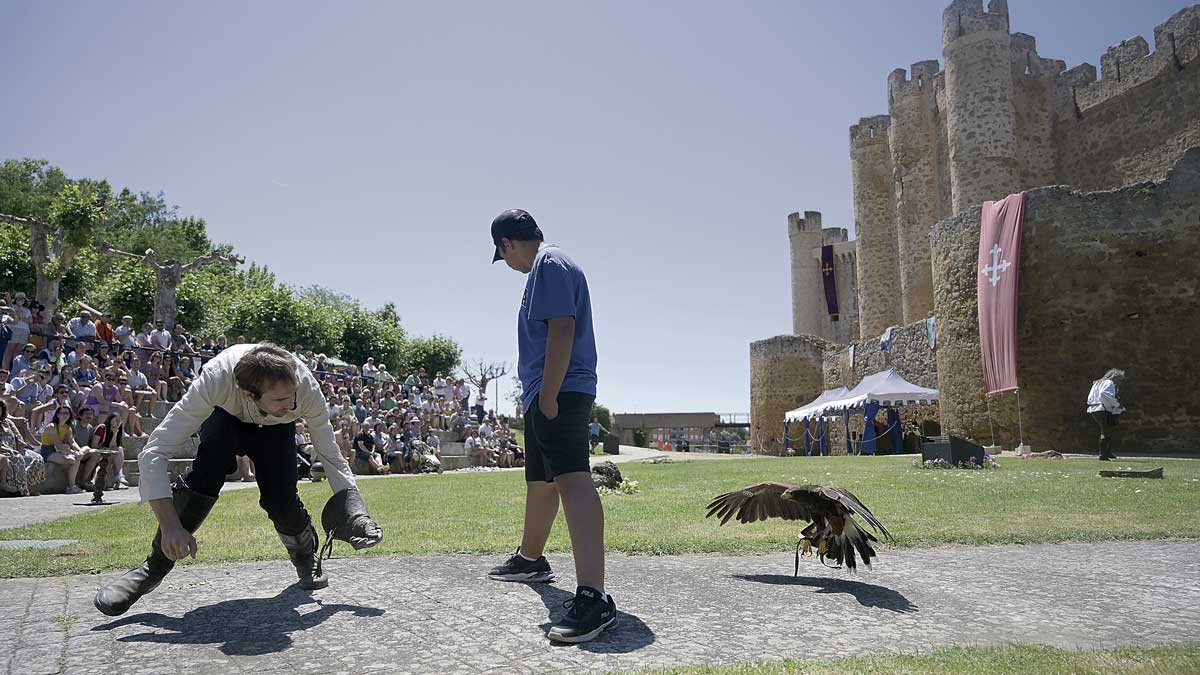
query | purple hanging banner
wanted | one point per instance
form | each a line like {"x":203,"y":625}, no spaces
{"x":830,"y":281}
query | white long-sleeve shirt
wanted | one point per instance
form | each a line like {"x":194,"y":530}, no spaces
{"x":1103,"y":396}
{"x":215,"y":387}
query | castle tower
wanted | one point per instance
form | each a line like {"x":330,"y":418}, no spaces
{"x":804,"y":235}
{"x":875,"y":222}
{"x":912,"y":138}
{"x":980,"y":125}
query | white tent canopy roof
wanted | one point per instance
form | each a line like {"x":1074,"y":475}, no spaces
{"x":817,"y":406}
{"x":886,"y":388}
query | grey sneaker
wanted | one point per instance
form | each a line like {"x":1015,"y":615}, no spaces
{"x":517,"y":568}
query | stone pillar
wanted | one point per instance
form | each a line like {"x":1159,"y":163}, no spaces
{"x":913,"y":142}
{"x":785,"y":373}
{"x":980,"y":125}
{"x":874,"y":216}
{"x":804,"y":235}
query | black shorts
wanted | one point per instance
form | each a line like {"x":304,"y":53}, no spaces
{"x":558,"y":446}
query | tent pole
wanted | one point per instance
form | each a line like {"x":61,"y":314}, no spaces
{"x":1020,"y":424}
{"x":988,"y":400}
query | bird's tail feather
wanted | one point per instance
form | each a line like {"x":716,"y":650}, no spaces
{"x":842,"y":547}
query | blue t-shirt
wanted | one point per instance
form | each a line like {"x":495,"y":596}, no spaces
{"x":555,"y":287}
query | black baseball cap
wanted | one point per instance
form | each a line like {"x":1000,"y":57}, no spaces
{"x":512,"y":224}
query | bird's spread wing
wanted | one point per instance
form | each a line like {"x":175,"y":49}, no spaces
{"x":757,"y":502}
{"x":848,"y":500}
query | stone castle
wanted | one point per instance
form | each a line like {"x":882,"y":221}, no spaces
{"x":1117,"y":269}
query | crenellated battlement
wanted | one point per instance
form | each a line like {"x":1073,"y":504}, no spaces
{"x":870,"y":130}
{"x":811,"y":222}
{"x":923,"y":74}
{"x":1131,"y":63}
{"x":964,"y":17}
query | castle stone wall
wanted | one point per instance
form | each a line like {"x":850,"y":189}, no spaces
{"x":785,"y":373}
{"x":980,"y":127}
{"x":911,"y":137}
{"x":808,"y":300}
{"x":1140,"y":117}
{"x":875,"y":219}
{"x":1108,"y":279}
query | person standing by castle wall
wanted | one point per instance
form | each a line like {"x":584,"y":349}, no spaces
{"x":1103,"y":406}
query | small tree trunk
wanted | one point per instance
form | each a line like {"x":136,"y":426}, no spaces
{"x":47,"y":291}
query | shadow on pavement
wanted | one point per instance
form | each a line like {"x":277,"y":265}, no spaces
{"x":630,"y":633}
{"x":242,"y":627}
{"x":867,"y":595}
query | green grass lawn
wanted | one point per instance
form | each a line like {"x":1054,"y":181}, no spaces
{"x":1025,"y":501}
{"x":1023,"y":659}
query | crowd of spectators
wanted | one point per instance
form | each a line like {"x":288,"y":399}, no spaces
{"x":72,"y":389}
{"x":384,"y":424}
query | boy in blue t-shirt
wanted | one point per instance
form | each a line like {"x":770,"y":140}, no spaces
{"x":557,"y":367}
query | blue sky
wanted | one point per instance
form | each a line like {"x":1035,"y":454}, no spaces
{"x":367,"y":146}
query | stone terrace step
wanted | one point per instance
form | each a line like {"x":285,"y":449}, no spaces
{"x":175,"y":469}
{"x":133,"y":446}
{"x":452,"y":462}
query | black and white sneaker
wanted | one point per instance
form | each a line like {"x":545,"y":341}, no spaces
{"x":588,"y":615}
{"x":517,"y":568}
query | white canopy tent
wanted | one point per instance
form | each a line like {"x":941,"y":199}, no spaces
{"x":887,"y":388}
{"x":818,"y":406}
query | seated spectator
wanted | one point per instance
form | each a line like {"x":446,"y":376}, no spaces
{"x":24,"y":359}
{"x":366,"y":460}
{"x":156,"y":375}
{"x":74,"y":357}
{"x":144,"y":343}
{"x":304,"y":450}
{"x":369,"y":369}
{"x":108,"y":437}
{"x":53,"y":353}
{"x":160,"y":337}
{"x":103,"y":356}
{"x":344,"y":439}
{"x":478,"y":451}
{"x":85,"y":374}
{"x":21,"y":326}
{"x":82,"y":328}
{"x":441,"y":388}
{"x":22,"y":468}
{"x":181,"y":378}
{"x":133,"y":421}
{"x":106,"y":397}
{"x":125,"y":333}
{"x":33,"y":387}
{"x":434,"y":443}
{"x":140,"y":385}
{"x":59,"y":447}
{"x":41,"y":413}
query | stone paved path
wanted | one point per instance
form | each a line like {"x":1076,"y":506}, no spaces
{"x":440,"y":614}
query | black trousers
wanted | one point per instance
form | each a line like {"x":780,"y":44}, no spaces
{"x":1105,"y":421}
{"x":272,"y":448}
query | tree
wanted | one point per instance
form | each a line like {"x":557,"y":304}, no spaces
{"x":517,"y":395}
{"x":481,"y":373}
{"x":437,"y":354}
{"x":169,"y":275}
{"x":62,"y":218}
{"x":602,"y":415}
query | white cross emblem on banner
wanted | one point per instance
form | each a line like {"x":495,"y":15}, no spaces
{"x":996,"y":267}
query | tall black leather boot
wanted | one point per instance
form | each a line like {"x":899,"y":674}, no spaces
{"x":302,"y":549}
{"x":116,"y":598}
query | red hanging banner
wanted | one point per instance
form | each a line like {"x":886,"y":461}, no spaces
{"x":999,"y":261}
